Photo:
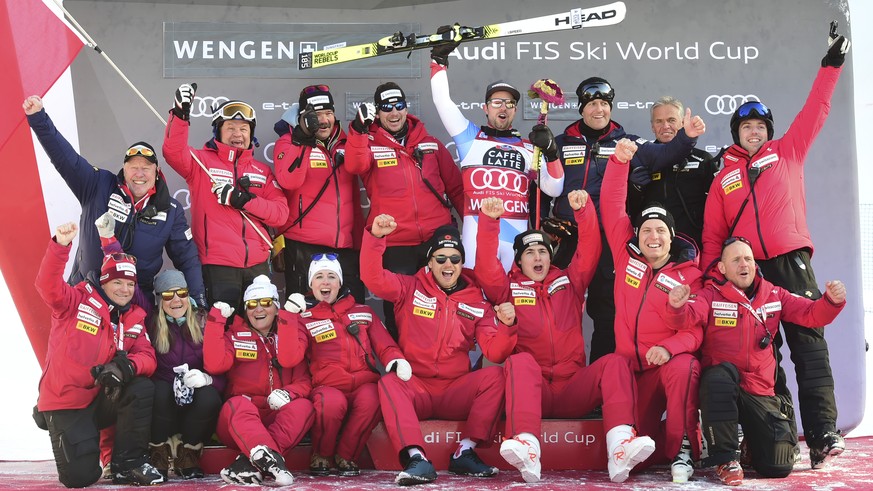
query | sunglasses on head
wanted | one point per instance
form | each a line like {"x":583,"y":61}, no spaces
{"x":441,"y":259}
{"x":169,"y":294}
{"x":263,"y":302}
{"x":140,"y":150}
{"x":234,"y":110}
{"x":330,"y":256}
{"x":314,"y":89}
{"x":387,"y":107}
{"x":731,"y":240}
{"x":754,"y":108}
{"x":498,"y":103}
{"x":597,"y":90}
{"x":120,"y":256}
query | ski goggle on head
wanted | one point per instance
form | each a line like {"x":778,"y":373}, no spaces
{"x":596,"y":90}
{"x":330,"y":256}
{"x":233,"y":110}
{"x":754,"y":109}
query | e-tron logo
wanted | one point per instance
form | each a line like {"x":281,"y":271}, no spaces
{"x":499,"y":180}
{"x":727,"y":104}
{"x":202,"y":106}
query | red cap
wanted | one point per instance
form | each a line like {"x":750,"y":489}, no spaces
{"x":118,"y":266}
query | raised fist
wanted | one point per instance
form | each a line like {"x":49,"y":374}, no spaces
{"x":365,"y":117}
{"x":183,"y":99}
{"x":105,"y":225}
{"x":65,"y":233}
{"x":493,"y":207}
{"x":296,"y":303}
{"x":577,"y":198}
{"x":625,"y":150}
{"x":542,"y":137}
{"x":383,"y":225}
{"x":505,"y":313}
{"x":224,"y":309}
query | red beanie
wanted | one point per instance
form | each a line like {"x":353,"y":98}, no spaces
{"x":118,"y":266}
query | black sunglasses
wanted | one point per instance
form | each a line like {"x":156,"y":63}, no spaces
{"x":441,"y":259}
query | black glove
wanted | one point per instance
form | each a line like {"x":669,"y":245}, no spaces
{"x":116,"y":373}
{"x":182,"y":102}
{"x":541,"y":136}
{"x":640,"y":177}
{"x":561,"y":229}
{"x":838,"y":46}
{"x":300,"y":138}
{"x":440,"y":53}
{"x":365,"y":117}
{"x":308,"y":120}
{"x":229,"y":195}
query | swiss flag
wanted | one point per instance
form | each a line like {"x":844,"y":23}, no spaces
{"x":37,"y":48}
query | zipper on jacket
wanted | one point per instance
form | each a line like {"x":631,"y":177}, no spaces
{"x":757,"y":217}
{"x":338,"y":205}
{"x":241,"y":218}
{"x":300,"y":210}
{"x":206,"y":235}
{"x":411,"y":180}
{"x":551,"y":325}
{"x":637,"y":320}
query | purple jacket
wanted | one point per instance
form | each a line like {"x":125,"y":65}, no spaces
{"x":182,"y":350}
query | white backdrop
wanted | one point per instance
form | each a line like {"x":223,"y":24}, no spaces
{"x":21,"y":440}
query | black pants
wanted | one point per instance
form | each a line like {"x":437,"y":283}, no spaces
{"x":809,"y":349}
{"x":401,"y":260}
{"x":227,"y":284}
{"x":298,"y":257}
{"x":768,"y":423}
{"x":195,"y":421}
{"x":601,"y":305}
{"x":75,"y":434}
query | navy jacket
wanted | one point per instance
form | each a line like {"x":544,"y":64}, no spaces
{"x":144,"y":237}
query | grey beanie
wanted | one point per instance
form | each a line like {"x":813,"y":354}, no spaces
{"x":169,"y":279}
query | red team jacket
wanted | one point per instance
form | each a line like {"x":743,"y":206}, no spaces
{"x":253,"y":369}
{"x":641,"y":294}
{"x":302,"y":172}
{"x":223,"y":236}
{"x":394,"y":180}
{"x":774,"y":220}
{"x":736,"y":325}
{"x":436,"y":330}
{"x":335,"y":358}
{"x":549,"y":313}
{"x":82,"y":336}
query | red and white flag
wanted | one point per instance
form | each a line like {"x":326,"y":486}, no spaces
{"x":38,"y":48}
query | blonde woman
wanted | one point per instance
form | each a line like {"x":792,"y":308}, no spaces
{"x":187,"y":399}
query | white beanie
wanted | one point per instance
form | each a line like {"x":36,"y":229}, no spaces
{"x":322,"y":263}
{"x":261,"y":288}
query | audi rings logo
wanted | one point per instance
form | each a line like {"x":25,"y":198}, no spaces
{"x":202,"y":106}
{"x":727,"y":104}
{"x":499,"y":180}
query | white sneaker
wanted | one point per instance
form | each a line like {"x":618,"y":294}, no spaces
{"x":682,"y":469}
{"x":627,"y":454}
{"x":524,"y":455}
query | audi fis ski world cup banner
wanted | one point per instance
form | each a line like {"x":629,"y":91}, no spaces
{"x":713,"y":56}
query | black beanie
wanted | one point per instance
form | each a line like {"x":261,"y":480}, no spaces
{"x":529,"y":238}
{"x":655,"y":210}
{"x":445,"y":236}
{"x":585,"y":98}
{"x":318,"y":96}
{"x":388,"y":92}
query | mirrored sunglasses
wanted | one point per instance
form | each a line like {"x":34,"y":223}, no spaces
{"x":263,"y":302}
{"x":168,"y":295}
{"x":387,"y":107}
{"x":140,"y":150}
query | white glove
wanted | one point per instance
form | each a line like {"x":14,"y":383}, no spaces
{"x":105,"y":225}
{"x":278,"y":398}
{"x":195,"y":379}
{"x":403,"y":368}
{"x":225,"y":309}
{"x":296,"y":303}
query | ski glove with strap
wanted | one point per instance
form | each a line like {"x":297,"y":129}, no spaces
{"x":184,"y":98}
{"x":440,"y":53}
{"x":229,"y":195}
{"x":365,"y":117}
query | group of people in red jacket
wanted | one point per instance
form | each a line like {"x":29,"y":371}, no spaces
{"x":694,"y":341}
